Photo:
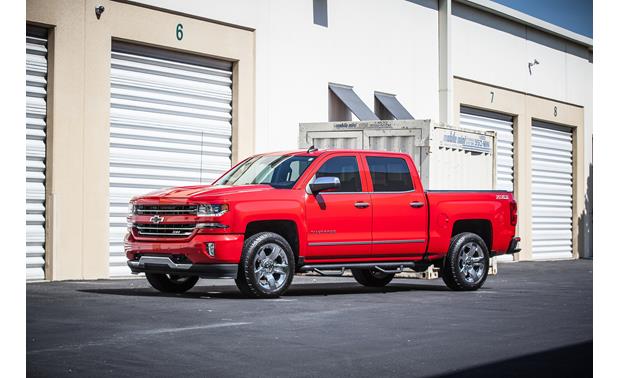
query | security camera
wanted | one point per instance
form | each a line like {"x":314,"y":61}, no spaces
{"x":98,"y":11}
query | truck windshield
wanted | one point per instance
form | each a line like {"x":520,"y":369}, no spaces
{"x":279,"y":171}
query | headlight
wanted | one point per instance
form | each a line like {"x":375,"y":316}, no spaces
{"x":130,"y":208}
{"x":211,"y":210}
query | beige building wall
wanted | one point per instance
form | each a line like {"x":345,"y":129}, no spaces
{"x":79,"y":106}
{"x":524,"y":108}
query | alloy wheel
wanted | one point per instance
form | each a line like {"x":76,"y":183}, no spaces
{"x":271,"y":267}
{"x":471,"y":262}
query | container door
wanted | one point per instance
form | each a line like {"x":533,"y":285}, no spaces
{"x":404,"y":140}
{"x":552,"y":191}
{"x":170,"y":125}
{"x":36,"y":113}
{"x":399,"y":215}
{"x":339,"y":222}
{"x":335,"y":139}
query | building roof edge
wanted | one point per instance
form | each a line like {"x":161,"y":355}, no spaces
{"x":522,"y":18}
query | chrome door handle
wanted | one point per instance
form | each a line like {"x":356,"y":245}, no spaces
{"x":416,"y":204}
{"x":362,"y":205}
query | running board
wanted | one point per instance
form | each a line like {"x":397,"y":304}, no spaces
{"x":322,"y":273}
{"x":400,"y":269}
{"x":385,"y":267}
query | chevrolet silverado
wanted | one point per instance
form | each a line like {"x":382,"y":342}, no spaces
{"x":277,"y":214}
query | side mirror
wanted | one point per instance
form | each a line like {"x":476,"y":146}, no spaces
{"x":324,"y":183}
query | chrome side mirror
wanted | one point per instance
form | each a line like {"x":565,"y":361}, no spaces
{"x":324,"y":183}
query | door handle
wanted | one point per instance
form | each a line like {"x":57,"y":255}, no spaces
{"x":416,"y":204}
{"x":362,"y":205}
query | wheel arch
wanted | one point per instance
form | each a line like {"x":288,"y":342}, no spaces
{"x":480,"y":227}
{"x":284,"y":227}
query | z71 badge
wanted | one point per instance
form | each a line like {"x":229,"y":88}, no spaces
{"x":502,"y":197}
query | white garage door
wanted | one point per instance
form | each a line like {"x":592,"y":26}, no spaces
{"x":502,"y":124}
{"x":552,"y":191}
{"x":36,"y":93}
{"x":480,"y":120}
{"x":170,"y":125}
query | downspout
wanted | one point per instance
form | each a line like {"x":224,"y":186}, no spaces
{"x":446,"y":94}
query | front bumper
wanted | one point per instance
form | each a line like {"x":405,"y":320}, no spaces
{"x":165,"y":265}
{"x":514,"y":246}
{"x":228,"y":248}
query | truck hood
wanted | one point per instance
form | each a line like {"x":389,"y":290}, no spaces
{"x":200,"y":192}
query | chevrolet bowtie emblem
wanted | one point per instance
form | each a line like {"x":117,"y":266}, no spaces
{"x":156,"y":219}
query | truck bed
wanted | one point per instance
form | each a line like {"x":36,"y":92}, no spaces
{"x":447,"y":207}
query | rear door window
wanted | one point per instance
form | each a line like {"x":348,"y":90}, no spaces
{"x":347,"y":171}
{"x":389,"y":174}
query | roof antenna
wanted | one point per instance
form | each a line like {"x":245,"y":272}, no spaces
{"x":312,"y":149}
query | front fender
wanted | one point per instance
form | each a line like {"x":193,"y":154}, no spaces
{"x":247,"y":212}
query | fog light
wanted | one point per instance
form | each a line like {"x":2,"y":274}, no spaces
{"x":211,"y":249}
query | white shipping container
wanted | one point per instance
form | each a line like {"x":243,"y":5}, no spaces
{"x":447,"y":158}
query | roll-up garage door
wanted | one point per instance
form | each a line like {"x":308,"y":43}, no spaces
{"x":502,"y":124}
{"x":36,"y":94}
{"x":170,"y":125}
{"x":480,"y":120}
{"x":552,"y":191}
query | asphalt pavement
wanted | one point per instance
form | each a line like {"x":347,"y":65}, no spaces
{"x":532,"y":319}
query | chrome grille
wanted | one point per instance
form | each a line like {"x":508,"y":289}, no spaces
{"x":165,"y":230}
{"x":166,"y":209}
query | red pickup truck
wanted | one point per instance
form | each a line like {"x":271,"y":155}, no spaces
{"x":277,"y":214}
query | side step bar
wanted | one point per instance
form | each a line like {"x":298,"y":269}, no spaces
{"x":385,"y":267}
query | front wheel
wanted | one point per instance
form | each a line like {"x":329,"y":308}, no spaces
{"x":267,"y":266}
{"x":466,"y":265}
{"x":171,"y":283}
{"x":372,"y":277}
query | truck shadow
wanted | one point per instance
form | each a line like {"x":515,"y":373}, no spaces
{"x":299,"y":290}
{"x":569,"y":361}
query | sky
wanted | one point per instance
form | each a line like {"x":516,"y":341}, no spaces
{"x":574,"y":15}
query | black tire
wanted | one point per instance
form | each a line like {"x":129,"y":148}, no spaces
{"x":259,"y":278}
{"x":372,"y":277}
{"x":170,"y":283}
{"x":466,"y":265}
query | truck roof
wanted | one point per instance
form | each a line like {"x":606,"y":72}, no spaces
{"x":319,"y":152}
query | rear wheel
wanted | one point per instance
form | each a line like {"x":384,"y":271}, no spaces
{"x":171,"y":283}
{"x":466,"y":265}
{"x":372,"y":277}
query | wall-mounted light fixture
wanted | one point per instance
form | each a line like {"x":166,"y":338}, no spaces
{"x":98,"y":11}
{"x":532,"y":64}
